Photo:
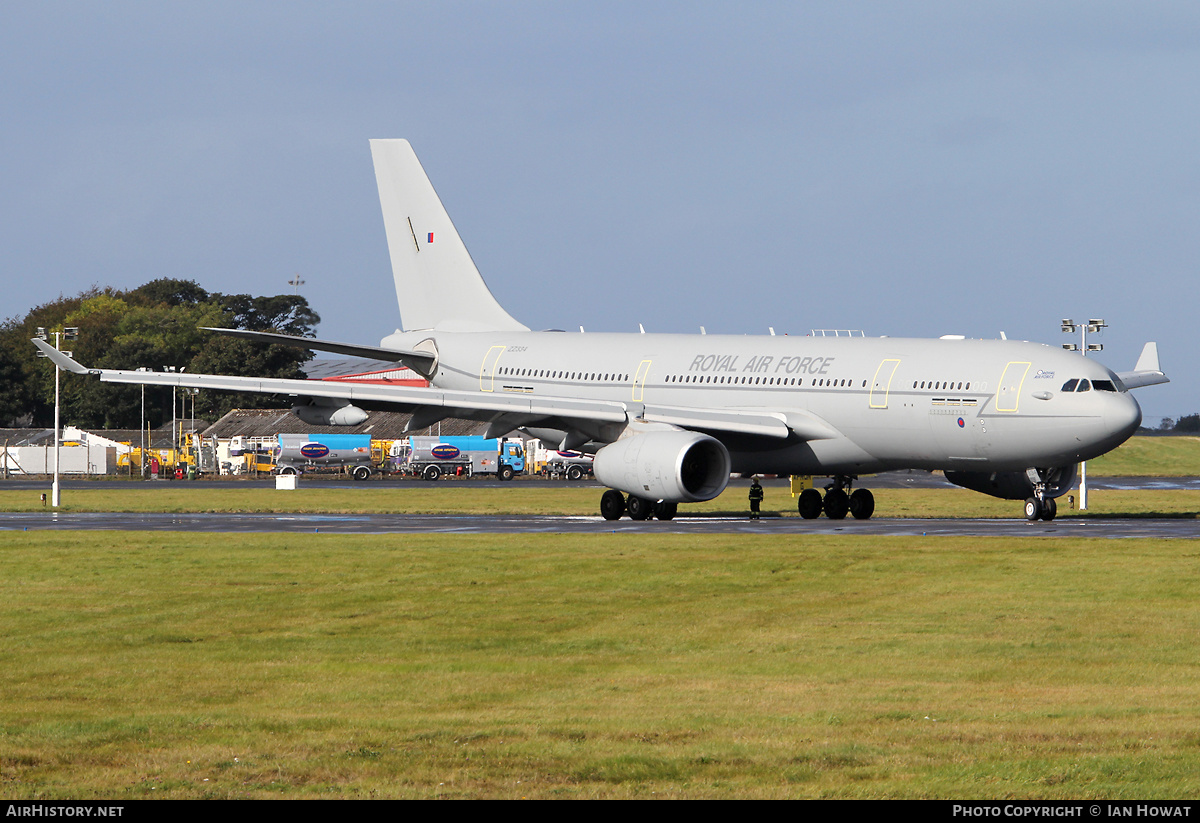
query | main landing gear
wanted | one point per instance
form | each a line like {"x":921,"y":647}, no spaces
{"x":613,"y":504}
{"x":837,"y":503}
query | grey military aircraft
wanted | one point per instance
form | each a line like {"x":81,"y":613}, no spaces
{"x":669,"y":417}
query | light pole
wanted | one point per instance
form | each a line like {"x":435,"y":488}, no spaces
{"x":142,"y":467}
{"x":1083,"y":347}
{"x":68,"y":333}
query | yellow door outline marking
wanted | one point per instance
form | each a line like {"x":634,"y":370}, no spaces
{"x":1002,"y":402}
{"x":875,"y":387}
{"x":639,"y":381}
{"x":487,"y":369}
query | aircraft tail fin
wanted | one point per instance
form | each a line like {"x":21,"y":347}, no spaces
{"x":437,"y":284}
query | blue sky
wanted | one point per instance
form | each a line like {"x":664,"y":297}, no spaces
{"x":905,"y":169}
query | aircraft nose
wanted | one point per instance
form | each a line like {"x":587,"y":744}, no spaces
{"x":1123,"y":417}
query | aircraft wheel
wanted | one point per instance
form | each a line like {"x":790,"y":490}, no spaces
{"x":665,"y":511}
{"x":1033,"y":509}
{"x":809,"y":504}
{"x":639,"y":508}
{"x":837,"y":504}
{"x":575,"y":473}
{"x":1049,"y":509}
{"x":505,"y":473}
{"x":432,"y":472}
{"x":862,"y":504}
{"x":361,"y":473}
{"x":612,"y":505}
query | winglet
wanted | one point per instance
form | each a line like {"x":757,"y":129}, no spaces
{"x":61,"y":360}
{"x":1147,"y":372}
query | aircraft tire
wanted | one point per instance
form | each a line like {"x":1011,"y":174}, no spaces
{"x":809,"y":504}
{"x":612,"y":505}
{"x":1049,"y":509}
{"x":1033,"y":509}
{"x":639,"y":508}
{"x":665,"y":511}
{"x":837,"y":504}
{"x":862,"y":504}
{"x":432,"y":472}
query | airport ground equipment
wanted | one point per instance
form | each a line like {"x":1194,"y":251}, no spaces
{"x":567,"y":466}
{"x":297,"y":453}
{"x":433,"y":457}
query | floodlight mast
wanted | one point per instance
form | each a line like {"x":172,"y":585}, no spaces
{"x":1095,"y":326}
{"x":67,"y":333}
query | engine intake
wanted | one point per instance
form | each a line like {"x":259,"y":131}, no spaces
{"x":675,"y":466}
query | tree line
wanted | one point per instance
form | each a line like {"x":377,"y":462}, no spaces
{"x":1188,"y":424}
{"x":153,"y":326}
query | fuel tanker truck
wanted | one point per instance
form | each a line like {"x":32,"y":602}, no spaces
{"x":297,"y":453}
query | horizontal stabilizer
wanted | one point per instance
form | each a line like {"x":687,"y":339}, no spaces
{"x":1147,"y":372}
{"x":419,"y":361}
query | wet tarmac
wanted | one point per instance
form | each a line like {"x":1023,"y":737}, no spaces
{"x":1074,"y":527}
{"x":1065,"y":526}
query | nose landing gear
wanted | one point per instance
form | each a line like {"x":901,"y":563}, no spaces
{"x":1041,"y":506}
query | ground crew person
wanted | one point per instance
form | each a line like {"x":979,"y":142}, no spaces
{"x":756,"y":496}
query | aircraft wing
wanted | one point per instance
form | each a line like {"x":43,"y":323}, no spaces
{"x":760,"y":422}
{"x":1147,"y":372}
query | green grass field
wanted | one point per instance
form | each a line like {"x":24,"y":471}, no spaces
{"x":1176,"y":456}
{"x":172,"y":665}
{"x":140,"y":665}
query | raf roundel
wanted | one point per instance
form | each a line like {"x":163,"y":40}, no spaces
{"x":961,"y":423}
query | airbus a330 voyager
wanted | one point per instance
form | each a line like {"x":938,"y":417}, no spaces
{"x":669,"y":417}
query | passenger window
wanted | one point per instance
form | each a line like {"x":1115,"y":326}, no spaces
{"x":1070,"y":385}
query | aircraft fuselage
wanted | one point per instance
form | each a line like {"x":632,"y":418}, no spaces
{"x":951,"y":404}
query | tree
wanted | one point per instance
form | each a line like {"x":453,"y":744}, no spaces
{"x":154,"y":326}
{"x":1189,"y":423}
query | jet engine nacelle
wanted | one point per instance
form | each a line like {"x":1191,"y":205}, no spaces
{"x":323,"y":412}
{"x":1017,"y":485}
{"x":672,"y":465}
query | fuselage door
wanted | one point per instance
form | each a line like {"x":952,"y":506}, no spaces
{"x":487,"y":369}
{"x":639,"y":381}
{"x":881,"y":384}
{"x":1008,"y":395}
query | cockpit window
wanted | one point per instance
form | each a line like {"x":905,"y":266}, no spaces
{"x":1070,"y":385}
{"x":1084,"y":386}
{"x":1104,"y":385}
